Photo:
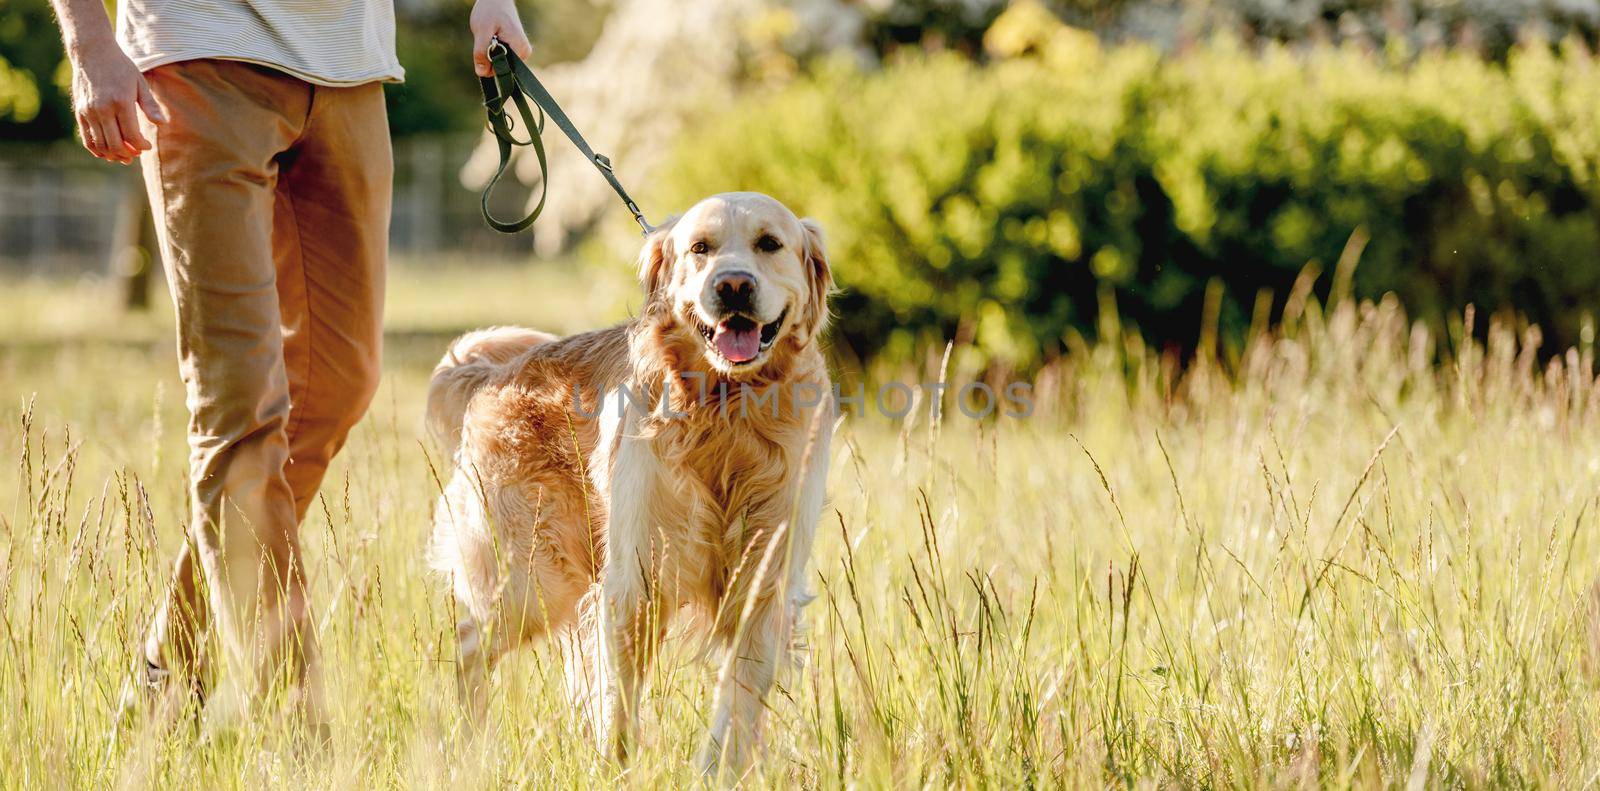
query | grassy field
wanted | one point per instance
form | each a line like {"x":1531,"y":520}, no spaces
{"x":1348,"y":563}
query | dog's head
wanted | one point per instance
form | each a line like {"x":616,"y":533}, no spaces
{"x":740,"y":279}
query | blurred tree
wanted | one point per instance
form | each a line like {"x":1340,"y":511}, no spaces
{"x":35,"y":103}
{"x":135,"y":249}
{"x":440,"y":93}
{"x":937,"y":24}
{"x":1490,"y":27}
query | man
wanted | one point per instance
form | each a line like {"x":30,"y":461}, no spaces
{"x":265,"y":150}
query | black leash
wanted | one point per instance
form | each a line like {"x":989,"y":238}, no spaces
{"x":513,"y":80}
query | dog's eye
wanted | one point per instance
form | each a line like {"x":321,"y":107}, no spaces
{"x":700,"y":248}
{"x":769,"y":244}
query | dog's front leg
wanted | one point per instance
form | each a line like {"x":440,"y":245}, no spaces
{"x":630,"y":626}
{"x":759,"y":643}
{"x":747,"y":673}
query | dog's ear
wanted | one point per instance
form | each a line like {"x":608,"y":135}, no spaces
{"x":655,"y":261}
{"x":819,"y":275}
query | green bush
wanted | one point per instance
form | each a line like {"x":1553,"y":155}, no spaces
{"x":34,"y":101}
{"x":1005,"y":202}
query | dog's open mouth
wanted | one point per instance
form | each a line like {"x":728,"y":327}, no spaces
{"x":738,"y":339}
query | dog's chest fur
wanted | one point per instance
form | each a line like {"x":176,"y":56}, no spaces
{"x":731,"y":465}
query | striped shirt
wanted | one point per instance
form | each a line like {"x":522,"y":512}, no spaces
{"x":327,"y":42}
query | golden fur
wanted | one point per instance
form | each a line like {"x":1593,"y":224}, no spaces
{"x":601,"y":520}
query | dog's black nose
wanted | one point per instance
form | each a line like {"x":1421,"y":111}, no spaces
{"x":736,"y":290}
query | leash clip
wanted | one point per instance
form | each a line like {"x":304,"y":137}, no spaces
{"x":638,"y":216}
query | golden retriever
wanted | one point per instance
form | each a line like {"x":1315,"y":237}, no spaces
{"x":608,"y":482}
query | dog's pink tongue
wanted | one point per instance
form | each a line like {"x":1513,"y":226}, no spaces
{"x":737,"y":345}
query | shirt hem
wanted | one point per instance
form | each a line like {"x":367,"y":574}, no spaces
{"x":393,"y":75}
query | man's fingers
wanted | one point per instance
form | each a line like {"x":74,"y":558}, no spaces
{"x":517,"y":40}
{"x":86,"y":131}
{"x":94,"y":137}
{"x":122,"y":141}
{"x":147,"y":102}
{"x":128,"y":122}
{"x":480,"y":54}
{"x":109,"y":137}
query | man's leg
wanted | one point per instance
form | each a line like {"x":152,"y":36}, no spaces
{"x":331,"y":239}
{"x":212,"y":177}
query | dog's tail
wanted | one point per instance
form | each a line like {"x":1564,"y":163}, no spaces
{"x":472,"y":360}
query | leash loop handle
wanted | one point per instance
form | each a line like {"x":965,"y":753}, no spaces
{"x":513,"y":81}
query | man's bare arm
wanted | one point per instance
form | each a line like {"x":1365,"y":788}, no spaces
{"x":106,"y":86}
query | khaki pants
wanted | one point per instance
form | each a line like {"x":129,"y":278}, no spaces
{"x":272,"y":199}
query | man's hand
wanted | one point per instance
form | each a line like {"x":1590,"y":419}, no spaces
{"x":106,"y":86}
{"x":496,"y":18}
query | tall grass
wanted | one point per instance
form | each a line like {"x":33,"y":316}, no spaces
{"x":1358,"y":554}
